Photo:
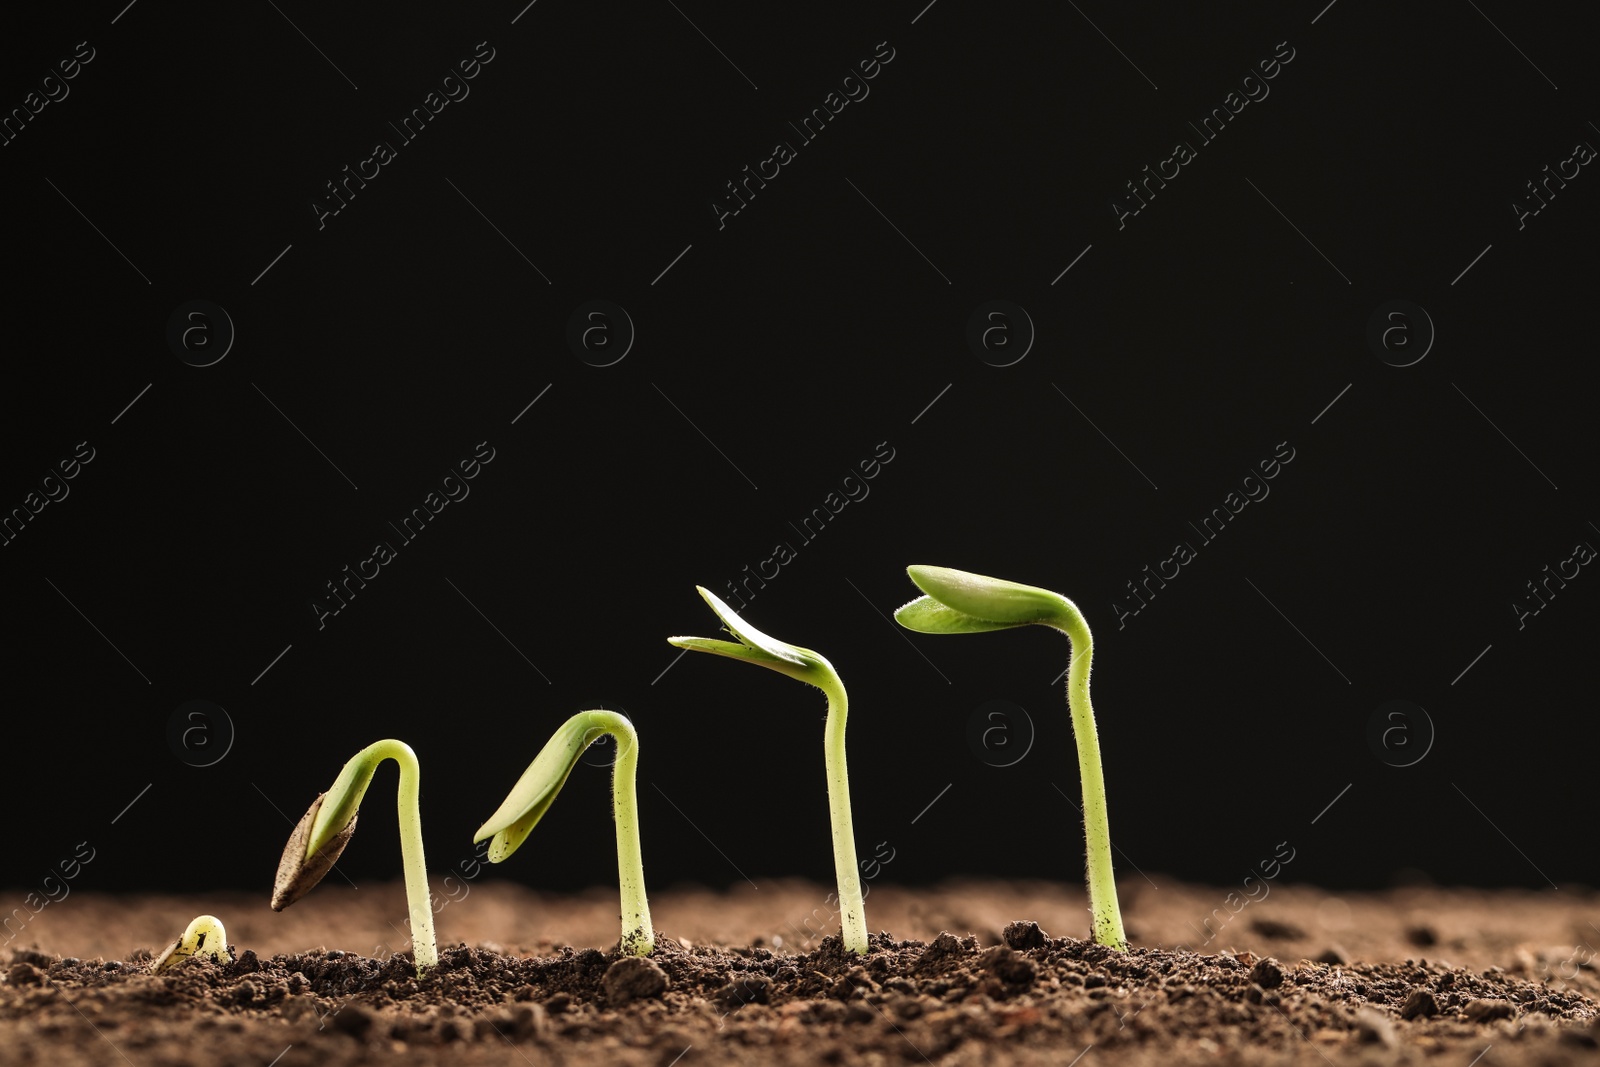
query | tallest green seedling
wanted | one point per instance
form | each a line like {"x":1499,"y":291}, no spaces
{"x":812,"y":668}
{"x":959,"y":602}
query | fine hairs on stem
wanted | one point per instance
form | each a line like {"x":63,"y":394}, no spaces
{"x":812,"y":668}
{"x":960,"y":602}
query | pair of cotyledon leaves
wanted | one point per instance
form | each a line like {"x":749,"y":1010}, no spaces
{"x":539,"y":785}
{"x":953,"y":602}
{"x":960,"y":602}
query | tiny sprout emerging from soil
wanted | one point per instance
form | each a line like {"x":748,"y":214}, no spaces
{"x":536,"y":790}
{"x":812,"y":668}
{"x":203,"y":937}
{"x":329,"y":823}
{"x":959,"y":602}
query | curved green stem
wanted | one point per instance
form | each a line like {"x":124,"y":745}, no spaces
{"x":638,"y":933}
{"x":538,"y":787}
{"x":813,"y":668}
{"x":852,"y":908}
{"x":340,"y":807}
{"x":1106,"y":915}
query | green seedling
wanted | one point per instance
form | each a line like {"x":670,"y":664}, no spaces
{"x":203,"y":937}
{"x":812,"y":668}
{"x":329,"y":823}
{"x":536,"y":790}
{"x":959,"y":602}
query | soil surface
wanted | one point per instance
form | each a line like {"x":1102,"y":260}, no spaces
{"x":970,"y":973}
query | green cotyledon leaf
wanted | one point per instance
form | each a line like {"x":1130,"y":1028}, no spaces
{"x":536,"y":790}
{"x":926,"y":615}
{"x":802,"y":664}
{"x":990,"y":599}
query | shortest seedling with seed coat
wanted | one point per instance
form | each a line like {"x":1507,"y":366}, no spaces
{"x":330,"y":822}
{"x":960,"y":602}
{"x":536,"y":790}
{"x":812,"y":668}
{"x":203,"y":937}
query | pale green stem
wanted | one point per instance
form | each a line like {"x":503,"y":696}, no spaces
{"x":638,"y":934}
{"x":1106,"y":916}
{"x":852,"y":909}
{"x":343,"y":800}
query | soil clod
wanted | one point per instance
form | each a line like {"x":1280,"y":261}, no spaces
{"x":1420,"y":1004}
{"x":947,"y":948}
{"x":1422,"y":935}
{"x":633,"y":978}
{"x":746,"y":989}
{"x":1334,"y":955}
{"x":354,"y":1020}
{"x":1484,"y":1010}
{"x":1022,"y":936}
{"x":1267,"y":973}
{"x":1009,"y":967}
{"x":26,"y":974}
{"x":1273,"y":930}
{"x":1375,"y":1029}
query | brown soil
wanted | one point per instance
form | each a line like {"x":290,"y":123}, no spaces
{"x":968,"y":976}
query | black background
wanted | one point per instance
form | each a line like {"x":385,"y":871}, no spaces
{"x":772,"y":357}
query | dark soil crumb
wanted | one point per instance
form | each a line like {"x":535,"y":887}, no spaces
{"x":1421,"y":1002}
{"x":1024,"y":935}
{"x":1274,"y":930}
{"x":1373,"y":1028}
{"x":1267,"y":974}
{"x":745,"y":989}
{"x":632,"y":978}
{"x":1422,"y":936}
{"x":1483,"y":1010}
